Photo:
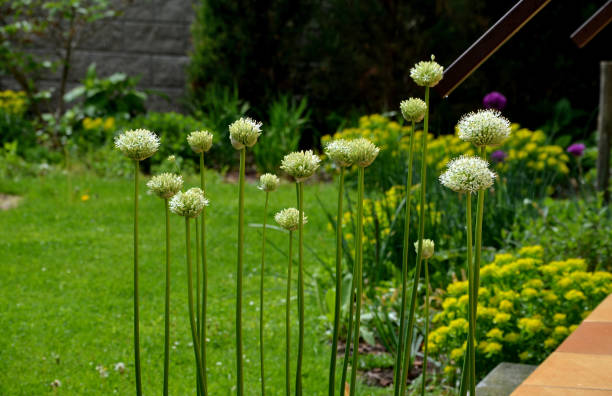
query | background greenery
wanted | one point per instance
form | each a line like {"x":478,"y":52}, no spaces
{"x":352,"y":57}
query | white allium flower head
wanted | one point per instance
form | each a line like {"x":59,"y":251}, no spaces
{"x":427,"y":73}
{"x":484,"y":128}
{"x":55,"y":384}
{"x":363,"y":152}
{"x":268,"y":182}
{"x":467,"y":174}
{"x":200,"y":141}
{"x":289,"y":219}
{"x":428,"y":248}
{"x":244,"y":132}
{"x":137,"y":144}
{"x":165,"y":185}
{"x":300,"y":164}
{"x":339,"y":151}
{"x":189,"y":203}
{"x":413,"y":109}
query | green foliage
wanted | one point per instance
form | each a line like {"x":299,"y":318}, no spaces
{"x":345,"y":57}
{"x":526,"y":308}
{"x":13,"y":166}
{"x":287,"y":120}
{"x":115,"y":95}
{"x":577,"y":228}
{"x":14,"y":127}
{"x":61,"y":24}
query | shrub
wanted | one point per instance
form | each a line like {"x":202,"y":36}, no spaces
{"x":579,"y":228}
{"x":526,"y":308}
{"x":115,"y":95}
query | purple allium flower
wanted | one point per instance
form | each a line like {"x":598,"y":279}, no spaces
{"x":494,"y":100}
{"x":498,"y":156}
{"x":576,"y":149}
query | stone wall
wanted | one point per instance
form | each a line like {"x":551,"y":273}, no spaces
{"x":151,"y":40}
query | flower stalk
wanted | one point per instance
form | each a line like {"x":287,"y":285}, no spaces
{"x":189,"y":205}
{"x":417,"y":273}
{"x":288,"y":321}
{"x":239,"y":270}
{"x":412,"y":110}
{"x":261,"y":297}
{"x":204,"y":278}
{"x":289,"y":220}
{"x":358,"y":278}
{"x":339,"y":152}
{"x":137,"y":145}
{"x":136,"y":308}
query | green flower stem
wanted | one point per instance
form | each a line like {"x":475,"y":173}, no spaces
{"x":417,"y":271}
{"x":167,"y":307}
{"x":338,"y":299}
{"x":68,"y":174}
{"x":136,"y":310}
{"x":298,"y":375}
{"x":402,"y":332}
{"x":288,"y":321}
{"x":470,"y":344}
{"x":359,"y":279}
{"x":349,"y":333}
{"x":261,"y":297}
{"x":192,"y":321}
{"x":425,"y":342}
{"x":479,"y":220}
{"x":204,"y":278}
{"x":239,"y":365}
{"x":198,"y":310}
{"x":197,"y":261}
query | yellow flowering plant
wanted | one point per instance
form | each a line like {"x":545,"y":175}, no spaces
{"x":527,"y":163}
{"x":526,"y":308}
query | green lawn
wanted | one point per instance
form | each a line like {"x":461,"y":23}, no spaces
{"x":66,"y":290}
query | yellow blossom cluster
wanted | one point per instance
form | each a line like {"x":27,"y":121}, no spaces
{"x":13,"y":102}
{"x":380,"y":218}
{"x":526,"y":308}
{"x":107,"y":124}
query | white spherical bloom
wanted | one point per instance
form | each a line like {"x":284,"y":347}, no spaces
{"x":244,"y":132}
{"x":200,"y":141}
{"x":427,"y":73}
{"x":467,"y":174}
{"x":165,"y":185}
{"x":300,"y":164}
{"x":339,"y":151}
{"x":484,"y":128}
{"x":428,"y":248}
{"x":289,"y":219}
{"x":363,"y":152}
{"x":55,"y":384}
{"x":268,"y":182}
{"x":189,"y":203}
{"x":137,"y":144}
{"x":413,"y":109}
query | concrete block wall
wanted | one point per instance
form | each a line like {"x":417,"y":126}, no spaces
{"x":151,"y":40}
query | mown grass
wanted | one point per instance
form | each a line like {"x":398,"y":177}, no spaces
{"x":66,"y":290}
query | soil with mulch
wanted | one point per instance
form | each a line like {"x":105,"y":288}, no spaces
{"x":381,"y":376}
{"x":9,"y":201}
